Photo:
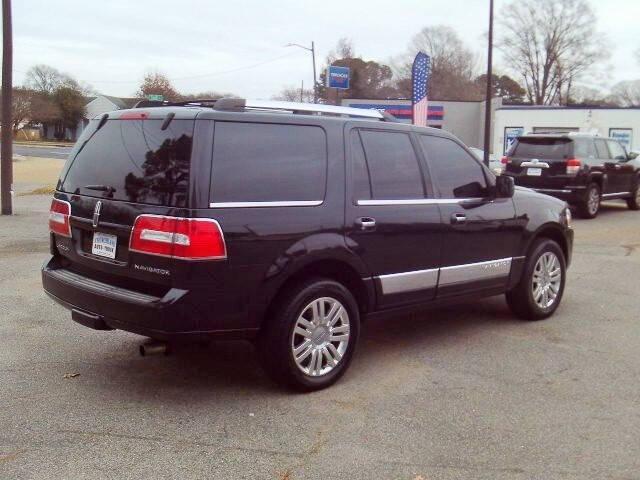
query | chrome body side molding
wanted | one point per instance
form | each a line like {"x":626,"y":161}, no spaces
{"x":409,"y":281}
{"x":404,"y":282}
{"x":474,"y":272}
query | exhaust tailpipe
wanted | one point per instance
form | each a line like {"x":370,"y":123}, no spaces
{"x":154,"y":348}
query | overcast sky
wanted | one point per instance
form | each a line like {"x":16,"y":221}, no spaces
{"x":238,"y":46}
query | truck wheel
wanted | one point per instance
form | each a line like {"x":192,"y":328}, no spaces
{"x":309,"y":340}
{"x":539,"y":291}
{"x":590,"y":206}
{"x":634,"y":201}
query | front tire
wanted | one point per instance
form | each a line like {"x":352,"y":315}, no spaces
{"x":634,"y":201}
{"x":539,"y":292}
{"x":309,"y":340}
{"x":590,"y":206}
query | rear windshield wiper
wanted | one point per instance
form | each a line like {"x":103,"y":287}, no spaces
{"x":101,"y":188}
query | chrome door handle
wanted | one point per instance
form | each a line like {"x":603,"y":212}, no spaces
{"x":366,"y":223}
{"x":458,"y":218}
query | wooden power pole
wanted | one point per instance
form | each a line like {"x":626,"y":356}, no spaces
{"x":6,"y":150}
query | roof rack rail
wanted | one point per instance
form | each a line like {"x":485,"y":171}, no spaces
{"x":296,"y":107}
{"x":240,"y":104}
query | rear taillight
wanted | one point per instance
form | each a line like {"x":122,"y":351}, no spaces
{"x":573,"y":166}
{"x":504,"y":160}
{"x":59,"y":214}
{"x":184,"y":238}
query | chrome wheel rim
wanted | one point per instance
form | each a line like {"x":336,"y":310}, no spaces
{"x":320,"y":336}
{"x":547,"y":280}
{"x":594,"y":201}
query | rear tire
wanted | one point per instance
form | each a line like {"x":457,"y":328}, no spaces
{"x":308,"y":341}
{"x":539,"y":291}
{"x":634,"y":201}
{"x":590,"y":206}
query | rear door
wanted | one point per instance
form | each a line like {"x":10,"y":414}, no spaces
{"x":481,"y":234}
{"x":121,"y":168}
{"x":607,"y":166}
{"x":392,"y":220}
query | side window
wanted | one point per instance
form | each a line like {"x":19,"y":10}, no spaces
{"x":456,"y":173}
{"x":362,"y":189}
{"x":584,"y":148}
{"x":617,"y":151}
{"x":603,"y":151}
{"x":391,"y":164}
{"x":260,"y":162}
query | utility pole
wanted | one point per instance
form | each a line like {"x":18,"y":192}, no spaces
{"x":489,"y":97}
{"x":6,"y":151}
{"x":315,"y":78}
{"x":313,"y":59}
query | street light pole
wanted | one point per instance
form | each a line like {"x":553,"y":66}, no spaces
{"x":6,"y":150}
{"x":489,"y":96}
{"x":313,"y":59}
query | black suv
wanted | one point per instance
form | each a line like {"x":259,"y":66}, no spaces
{"x":288,"y":224}
{"x":581,"y":169}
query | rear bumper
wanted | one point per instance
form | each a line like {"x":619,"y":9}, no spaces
{"x":100,"y":306}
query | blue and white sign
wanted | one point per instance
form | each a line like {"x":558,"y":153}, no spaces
{"x":623,"y":135}
{"x":510,"y":135}
{"x":338,"y":77}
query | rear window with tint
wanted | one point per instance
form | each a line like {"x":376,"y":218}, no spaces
{"x":261,"y":162}
{"x":552,"y":148}
{"x":137,"y":160}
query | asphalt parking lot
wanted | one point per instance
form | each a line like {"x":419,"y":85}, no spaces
{"x":467,"y":392}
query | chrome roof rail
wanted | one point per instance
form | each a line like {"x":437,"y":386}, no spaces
{"x":311,"y":108}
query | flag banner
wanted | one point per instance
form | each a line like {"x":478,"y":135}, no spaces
{"x":420,"y":82}
{"x":435,"y":113}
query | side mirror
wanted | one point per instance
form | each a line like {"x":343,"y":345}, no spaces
{"x":633,"y":155}
{"x":505,"y":186}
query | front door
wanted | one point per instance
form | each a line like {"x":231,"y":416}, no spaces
{"x":619,"y":171}
{"x":481,"y":233}
{"x":391,"y":222}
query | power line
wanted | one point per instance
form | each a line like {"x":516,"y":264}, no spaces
{"x":205,"y":75}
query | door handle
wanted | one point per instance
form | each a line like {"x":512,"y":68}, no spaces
{"x":458,"y":218}
{"x":366,"y":223}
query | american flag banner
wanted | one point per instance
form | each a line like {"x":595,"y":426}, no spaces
{"x":420,"y":82}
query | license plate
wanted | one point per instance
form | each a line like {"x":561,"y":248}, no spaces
{"x":534,"y":172}
{"x":104,"y":245}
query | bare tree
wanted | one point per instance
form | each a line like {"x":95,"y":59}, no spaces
{"x":295,"y":94}
{"x":551,"y":44}
{"x":453,"y":65}
{"x":45,"y":79}
{"x":627,"y":93}
{"x":21,"y":107}
{"x":156,"y":83}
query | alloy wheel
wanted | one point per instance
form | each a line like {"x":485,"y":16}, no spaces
{"x":547,"y":280}
{"x":593,"y":202}
{"x":320,"y":336}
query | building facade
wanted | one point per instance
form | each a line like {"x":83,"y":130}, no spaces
{"x":620,"y":123}
{"x":462,"y":118}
